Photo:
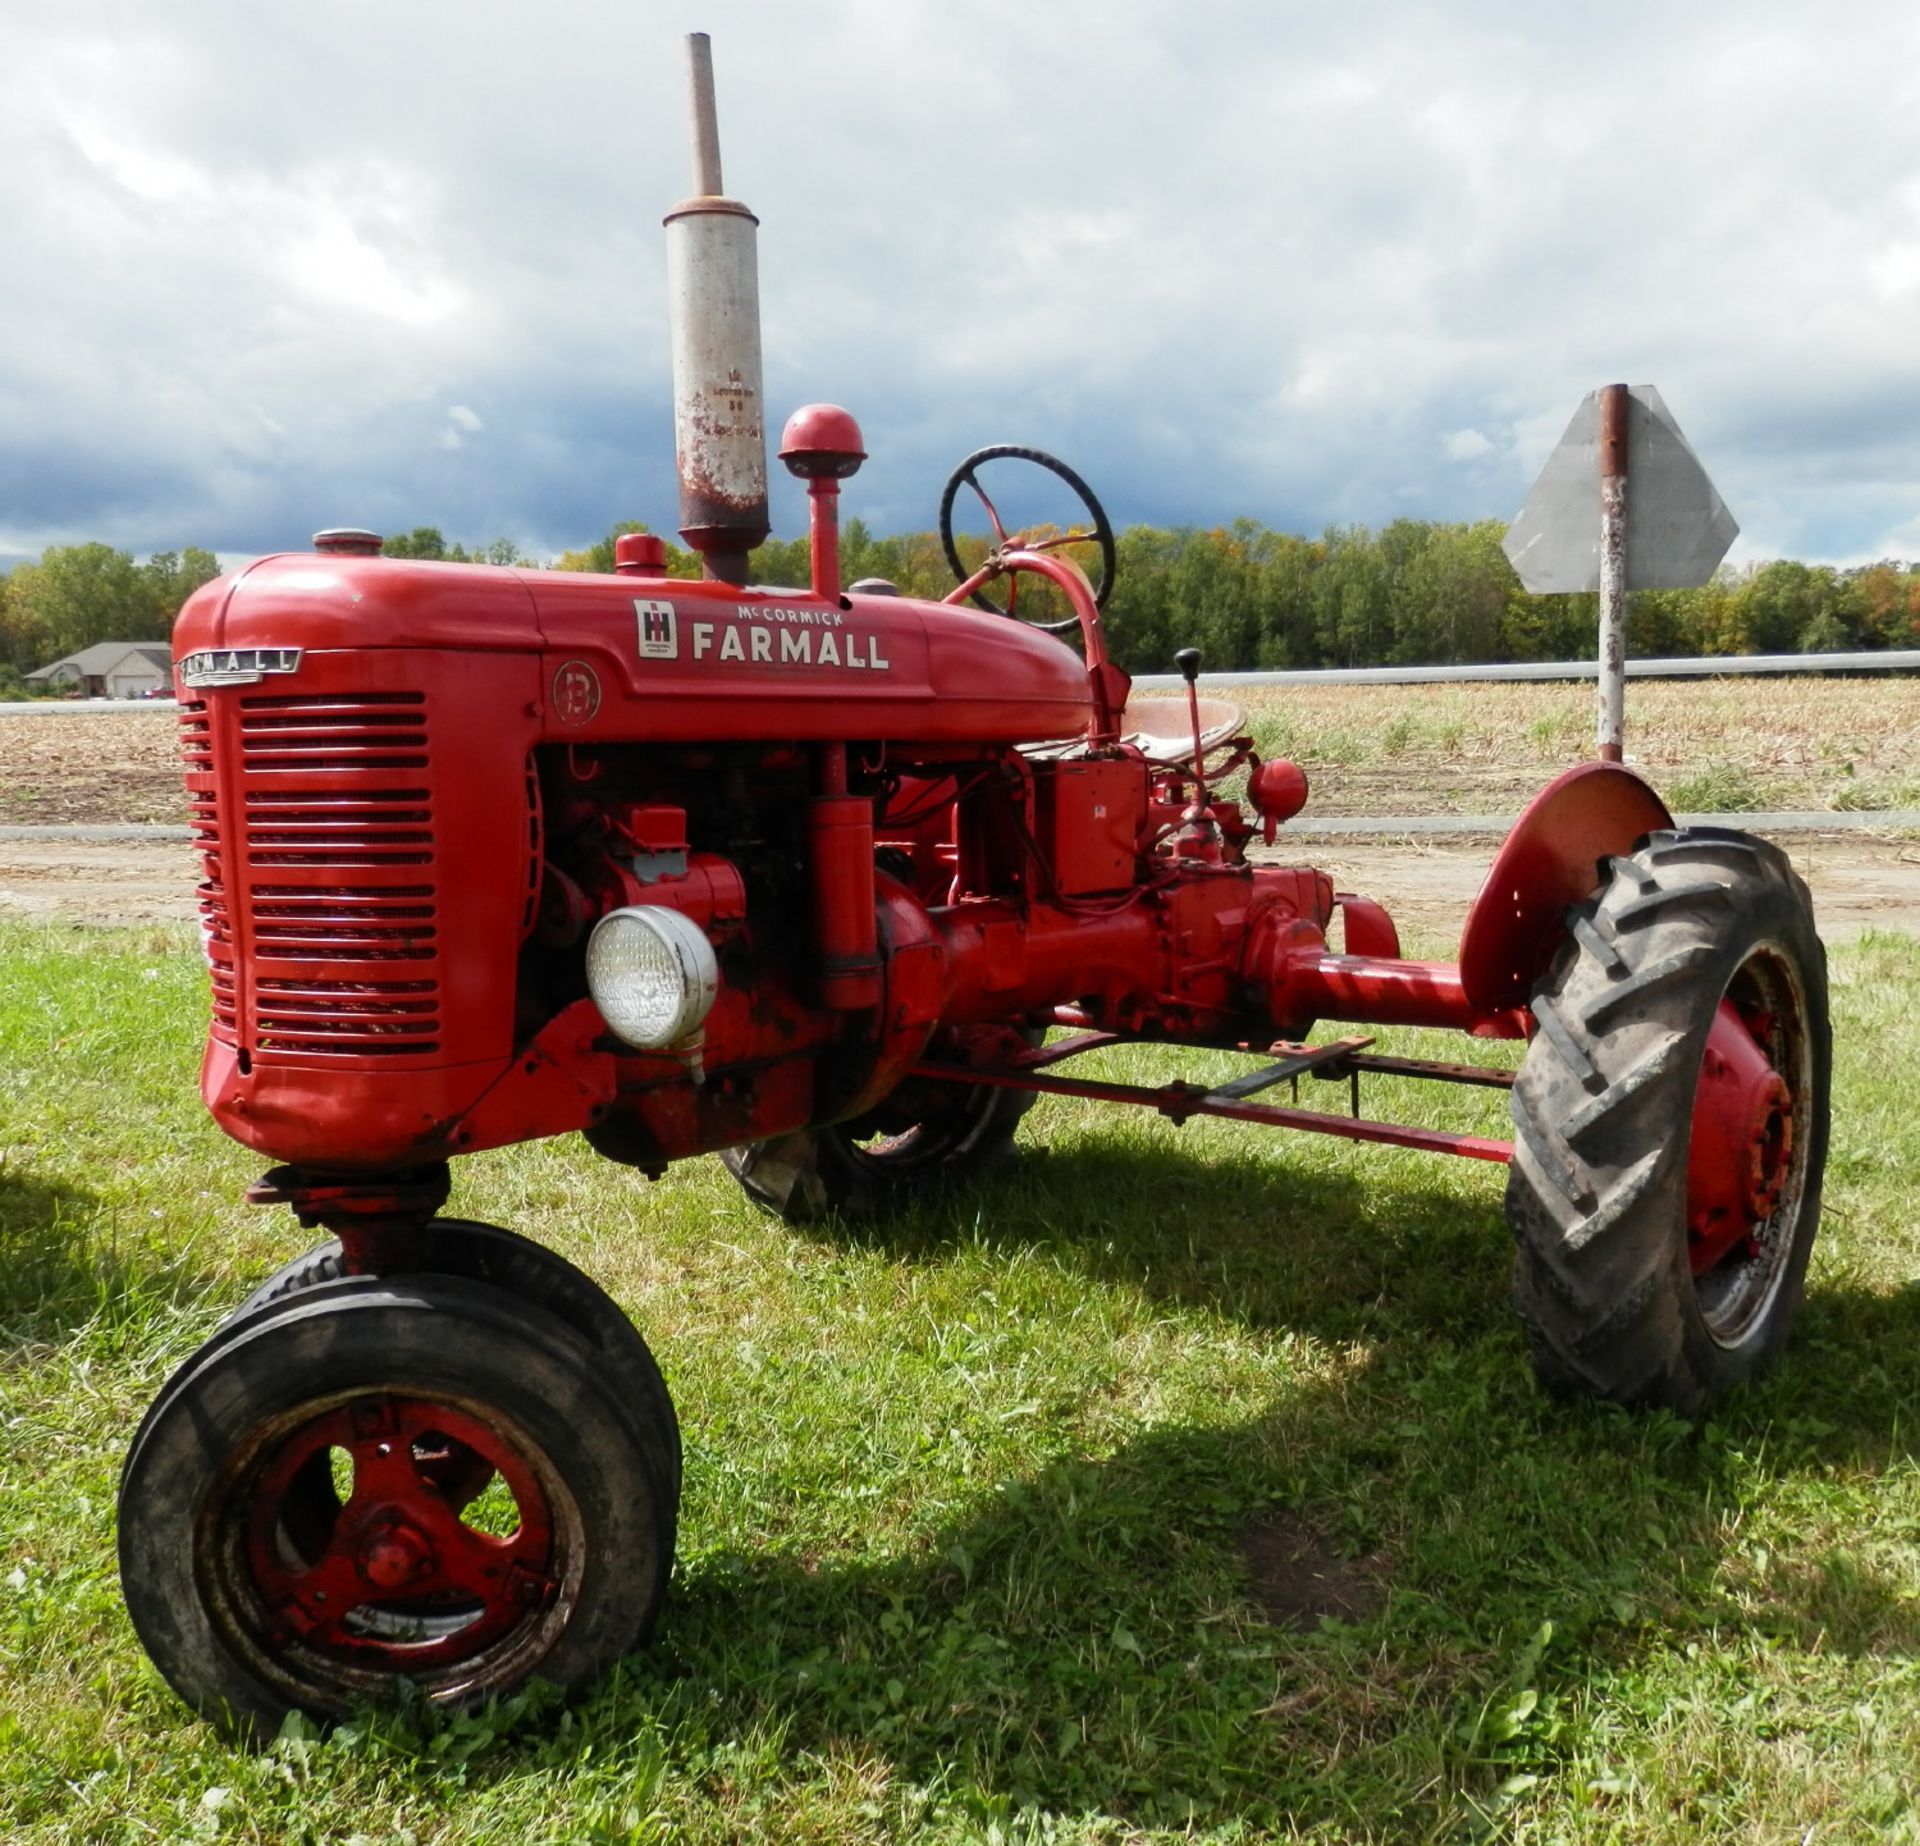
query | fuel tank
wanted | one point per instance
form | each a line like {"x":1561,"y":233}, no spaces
{"x":655,"y":658}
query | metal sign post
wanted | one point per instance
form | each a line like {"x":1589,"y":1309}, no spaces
{"x":1611,"y":730}
{"x":1679,"y":531}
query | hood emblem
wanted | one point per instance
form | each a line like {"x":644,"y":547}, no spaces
{"x":236,"y":666}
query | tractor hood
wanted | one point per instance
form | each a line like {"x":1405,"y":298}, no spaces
{"x":630,"y":658}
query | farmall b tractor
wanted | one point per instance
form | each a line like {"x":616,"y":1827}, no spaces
{"x":831,"y":883}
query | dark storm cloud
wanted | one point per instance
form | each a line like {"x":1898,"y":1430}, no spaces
{"x":271,"y":268}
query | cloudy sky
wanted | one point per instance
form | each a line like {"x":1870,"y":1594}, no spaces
{"x":266,"y":268}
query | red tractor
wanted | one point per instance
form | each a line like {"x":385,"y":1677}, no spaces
{"x":832,"y":883}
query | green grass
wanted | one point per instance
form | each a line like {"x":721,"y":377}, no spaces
{"x":1726,"y":788}
{"x":962,"y":1550}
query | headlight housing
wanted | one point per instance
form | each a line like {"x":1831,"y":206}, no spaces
{"x":653,"y":975}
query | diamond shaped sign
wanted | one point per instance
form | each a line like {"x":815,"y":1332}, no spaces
{"x":1678,"y":527}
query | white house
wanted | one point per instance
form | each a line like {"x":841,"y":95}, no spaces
{"x":111,"y":670}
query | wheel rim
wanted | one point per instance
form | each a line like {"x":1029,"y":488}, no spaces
{"x":385,"y":1532}
{"x":1747,"y":1152}
{"x":949,"y":1129}
{"x":928,"y":1124}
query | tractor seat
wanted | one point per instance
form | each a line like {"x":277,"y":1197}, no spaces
{"x":1161,"y":729}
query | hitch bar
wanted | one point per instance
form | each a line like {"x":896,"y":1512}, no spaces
{"x":1307,"y":1057}
{"x":1180,"y":1101}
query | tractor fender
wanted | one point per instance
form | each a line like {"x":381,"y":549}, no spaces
{"x":1554,"y":857}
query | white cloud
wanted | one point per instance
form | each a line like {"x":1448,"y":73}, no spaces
{"x":1248,"y":261}
{"x":331,"y":260}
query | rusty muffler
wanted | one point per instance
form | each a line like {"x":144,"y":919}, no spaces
{"x":713,"y":292}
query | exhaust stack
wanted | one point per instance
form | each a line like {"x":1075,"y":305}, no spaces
{"x":713,"y":291}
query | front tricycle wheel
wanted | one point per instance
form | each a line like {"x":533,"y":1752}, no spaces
{"x":376,"y":1482}
{"x":1671,"y":1126}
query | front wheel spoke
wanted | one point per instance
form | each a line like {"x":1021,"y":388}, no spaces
{"x":315,"y":1601}
{"x":472,"y":1563}
{"x":384,"y":1470}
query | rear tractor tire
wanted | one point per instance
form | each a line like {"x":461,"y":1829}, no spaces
{"x":924,"y":1135}
{"x":1671,"y":1124}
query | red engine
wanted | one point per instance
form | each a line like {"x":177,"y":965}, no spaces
{"x":419,"y":789}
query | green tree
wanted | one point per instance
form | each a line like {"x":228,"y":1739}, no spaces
{"x":171,"y":577}
{"x":79,"y":594}
{"x":1350,"y":600}
{"x":422,"y":542}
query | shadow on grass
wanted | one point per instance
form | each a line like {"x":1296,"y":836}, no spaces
{"x":1092,"y":1637}
{"x":1328,"y":1250}
{"x":58,"y":1272}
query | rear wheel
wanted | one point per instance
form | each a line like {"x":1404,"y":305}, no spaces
{"x":379,"y":1482}
{"x":1671,"y":1126}
{"x":925,"y":1134}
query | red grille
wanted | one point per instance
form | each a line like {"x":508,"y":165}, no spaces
{"x":203,"y":820}
{"x":364,"y":1018}
{"x":335,"y":828}
{"x":301,"y":733}
{"x":348,"y":827}
{"x":196,"y":745}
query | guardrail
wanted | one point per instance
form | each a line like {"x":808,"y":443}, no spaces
{"x":57,"y":706}
{"x":1706,"y":666}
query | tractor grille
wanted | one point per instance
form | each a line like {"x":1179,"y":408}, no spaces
{"x":325,"y":838}
{"x":203,"y":819}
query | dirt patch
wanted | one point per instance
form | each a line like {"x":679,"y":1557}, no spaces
{"x":81,"y":881}
{"x":1434,"y":750}
{"x":92,"y":768}
{"x":1297,"y":1576}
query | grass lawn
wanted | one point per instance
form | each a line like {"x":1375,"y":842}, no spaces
{"x":1183,"y":1483}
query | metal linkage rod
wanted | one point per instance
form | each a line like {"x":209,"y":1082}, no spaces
{"x":1179,"y":1101}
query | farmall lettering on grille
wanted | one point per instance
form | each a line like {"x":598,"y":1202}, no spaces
{"x":830,"y":883}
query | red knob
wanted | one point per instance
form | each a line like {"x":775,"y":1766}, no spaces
{"x":822,"y":440}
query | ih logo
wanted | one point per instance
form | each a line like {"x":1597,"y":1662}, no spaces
{"x":659,"y":631}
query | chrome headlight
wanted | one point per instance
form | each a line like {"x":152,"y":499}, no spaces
{"x":653,"y":975}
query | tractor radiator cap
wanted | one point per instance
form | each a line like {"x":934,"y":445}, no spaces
{"x":348,"y":542}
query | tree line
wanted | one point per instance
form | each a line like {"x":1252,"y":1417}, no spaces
{"x":1411,"y":593}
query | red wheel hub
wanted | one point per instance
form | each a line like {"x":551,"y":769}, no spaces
{"x":1741,"y":1146}
{"x":396,"y":1576}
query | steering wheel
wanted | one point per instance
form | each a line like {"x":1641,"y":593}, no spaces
{"x":1101,"y":533}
